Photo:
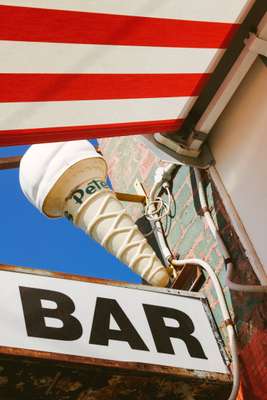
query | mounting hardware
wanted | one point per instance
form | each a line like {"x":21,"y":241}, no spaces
{"x":256,"y":44}
{"x":200,"y":159}
{"x":140,"y":190}
{"x":133,"y":198}
{"x":179,"y":148}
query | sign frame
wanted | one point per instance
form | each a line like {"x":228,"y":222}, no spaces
{"x":131,"y":367}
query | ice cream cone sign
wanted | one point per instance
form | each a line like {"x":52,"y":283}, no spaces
{"x":69,"y":179}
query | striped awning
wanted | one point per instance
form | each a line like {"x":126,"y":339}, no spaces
{"x":92,"y":68}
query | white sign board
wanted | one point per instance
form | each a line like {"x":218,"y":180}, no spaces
{"x":106,"y":322}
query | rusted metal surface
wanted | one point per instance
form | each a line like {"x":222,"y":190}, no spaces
{"x":24,"y":379}
{"x":28,"y":374}
{"x":189,"y":277}
{"x":122,"y":367}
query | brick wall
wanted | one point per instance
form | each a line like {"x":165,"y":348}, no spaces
{"x":189,"y":236}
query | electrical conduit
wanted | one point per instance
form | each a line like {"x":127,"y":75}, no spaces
{"x":232,"y":285}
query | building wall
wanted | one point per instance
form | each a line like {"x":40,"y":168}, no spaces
{"x":189,"y":236}
{"x":239,"y":143}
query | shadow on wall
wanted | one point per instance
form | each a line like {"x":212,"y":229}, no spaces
{"x":249,"y":309}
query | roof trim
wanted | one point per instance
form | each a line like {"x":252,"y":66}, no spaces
{"x":224,"y":66}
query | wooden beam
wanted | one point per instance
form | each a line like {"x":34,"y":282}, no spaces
{"x":10,"y":162}
{"x":13,"y":162}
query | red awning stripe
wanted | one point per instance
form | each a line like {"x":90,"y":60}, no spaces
{"x":44,"y":135}
{"x":64,"y":87}
{"x":73,"y":69}
{"x":44,"y":25}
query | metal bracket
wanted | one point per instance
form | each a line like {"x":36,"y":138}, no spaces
{"x":256,"y":45}
{"x":179,"y":147}
{"x":164,"y":153}
{"x":140,"y":190}
{"x":133,"y":198}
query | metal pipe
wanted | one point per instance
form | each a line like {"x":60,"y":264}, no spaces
{"x":226,"y":317}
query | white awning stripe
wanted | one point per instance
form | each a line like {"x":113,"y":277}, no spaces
{"x":68,"y":113}
{"x":195,"y":10}
{"x":31,"y":57}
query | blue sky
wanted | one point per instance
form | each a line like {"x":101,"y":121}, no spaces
{"x":30,"y":239}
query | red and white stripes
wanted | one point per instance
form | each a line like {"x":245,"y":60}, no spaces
{"x":72,"y":69}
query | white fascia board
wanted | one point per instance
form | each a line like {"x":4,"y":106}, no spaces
{"x":230,"y":84}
